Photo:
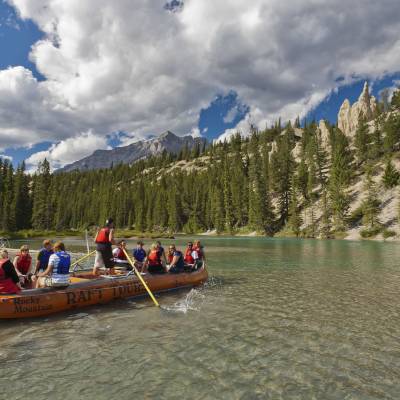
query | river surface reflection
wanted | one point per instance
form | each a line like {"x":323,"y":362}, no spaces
{"x":279,"y":319}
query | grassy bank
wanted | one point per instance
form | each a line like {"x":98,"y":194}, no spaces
{"x":120,"y":233}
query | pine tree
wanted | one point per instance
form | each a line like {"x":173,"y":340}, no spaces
{"x":260,"y":215}
{"x":362,"y":141}
{"x":395,"y":102}
{"x":41,"y":217}
{"x":391,"y":128}
{"x":295,"y":220}
{"x":340,"y":179}
{"x":371,"y":203}
{"x":22,"y":201}
{"x":282,"y":167}
{"x":391,"y":176}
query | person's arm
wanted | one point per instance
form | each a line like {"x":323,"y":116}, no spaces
{"x":111,"y":236}
{"x":15,"y":263}
{"x":175,"y":259}
{"x":37,"y":267}
{"x":49,"y":269}
{"x":164,"y":258}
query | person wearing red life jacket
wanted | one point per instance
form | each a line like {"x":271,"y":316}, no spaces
{"x":104,"y":240}
{"x":201,"y":257}
{"x":189,"y":256}
{"x":154,"y":263}
{"x":9,"y":280}
{"x":22,"y":263}
{"x":120,"y":257}
{"x":200,"y":250}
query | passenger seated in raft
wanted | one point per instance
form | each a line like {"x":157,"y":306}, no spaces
{"x":120,"y":257}
{"x":9,"y":280}
{"x":175,"y":260}
{"x":57,"y":272}
{"x":191,"y":256}
{"x":42,"y":260}
{"x":139,"y":255}
{"x":197,"y":247}
{"x":154,"y":264}
{"x":162,"y":251}
{"x":22,"y":264}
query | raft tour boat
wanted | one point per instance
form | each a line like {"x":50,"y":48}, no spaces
{"x":86,"y":289}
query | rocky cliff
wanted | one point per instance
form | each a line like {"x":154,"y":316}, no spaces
{"x":350,"y":115}
{"x":167,"y":141}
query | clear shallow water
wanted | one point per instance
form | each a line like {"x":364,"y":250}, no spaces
{"x":279,"y":319}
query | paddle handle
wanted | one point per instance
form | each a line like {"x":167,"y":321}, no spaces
{"x":140,"y":277}
{"x":83,"y":258}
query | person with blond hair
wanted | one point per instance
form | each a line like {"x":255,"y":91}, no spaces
{"x":57,"y":271}
{"x":23,"y":261}
{"x":9,"y":280}
{"x":154,"y":263}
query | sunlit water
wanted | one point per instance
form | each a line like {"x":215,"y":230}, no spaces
{"x":279,"y":319}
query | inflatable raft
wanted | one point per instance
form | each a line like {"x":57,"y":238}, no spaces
{"x":86,"y":289}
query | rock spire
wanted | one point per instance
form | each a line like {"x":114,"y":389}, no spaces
{"x":349,"y":115}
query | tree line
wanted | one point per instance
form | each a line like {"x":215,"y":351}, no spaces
{"x":248,"y":183}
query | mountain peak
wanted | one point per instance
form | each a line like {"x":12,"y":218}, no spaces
{"x":167,"y":135}
{"x":167,"y":141}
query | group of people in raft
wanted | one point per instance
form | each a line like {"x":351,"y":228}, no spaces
{"x":53,"y":262}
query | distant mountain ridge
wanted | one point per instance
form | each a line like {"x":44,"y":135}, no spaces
{"x":167,"y":141}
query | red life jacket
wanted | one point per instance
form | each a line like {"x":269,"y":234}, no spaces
{"x":199,"y":252}
{"x":24,"y":263}
{"x":188,"y":256}
{"x":154,"y":258}
{"x":7,"y":286}
{"x":120,"y":254}
{"x":170,"y":257}
{"x":103,"y":236}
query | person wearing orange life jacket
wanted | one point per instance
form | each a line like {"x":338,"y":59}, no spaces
{"x":9,"y":280}
{"x":104,"y":240}
{"x":154,"y":263}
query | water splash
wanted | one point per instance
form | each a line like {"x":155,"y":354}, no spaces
{"x":191,"y":302}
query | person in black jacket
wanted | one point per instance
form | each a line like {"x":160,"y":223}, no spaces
{"x":9,"y":280}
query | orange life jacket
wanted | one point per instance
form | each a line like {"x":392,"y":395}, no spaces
{"x":6,"y":284}
{"x":154,"y":258}
{"x":188,"y":256}
{"x":24,"y":263}
{"x":103,"y":236}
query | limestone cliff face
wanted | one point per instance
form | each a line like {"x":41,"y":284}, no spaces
{"x":323,"y":132}
{"x":349,"y":115}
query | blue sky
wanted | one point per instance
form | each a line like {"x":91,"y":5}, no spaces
{"x":224,"y":111}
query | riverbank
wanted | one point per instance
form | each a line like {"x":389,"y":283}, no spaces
{"x":352,"y":234}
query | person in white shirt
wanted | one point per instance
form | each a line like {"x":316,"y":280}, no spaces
{"x":57,"y":271}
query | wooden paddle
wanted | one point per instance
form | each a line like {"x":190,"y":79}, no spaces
{"x":140,"y":277}
{"x":83,"y":258}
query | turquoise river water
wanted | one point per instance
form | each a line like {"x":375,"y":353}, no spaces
{"x":279,"y":319}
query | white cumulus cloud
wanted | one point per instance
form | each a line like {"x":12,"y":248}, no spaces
{"x":134,"y":66}
{"x":69,"y":150}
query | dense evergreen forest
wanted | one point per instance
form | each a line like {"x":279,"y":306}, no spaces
{"x":251,"y":183}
